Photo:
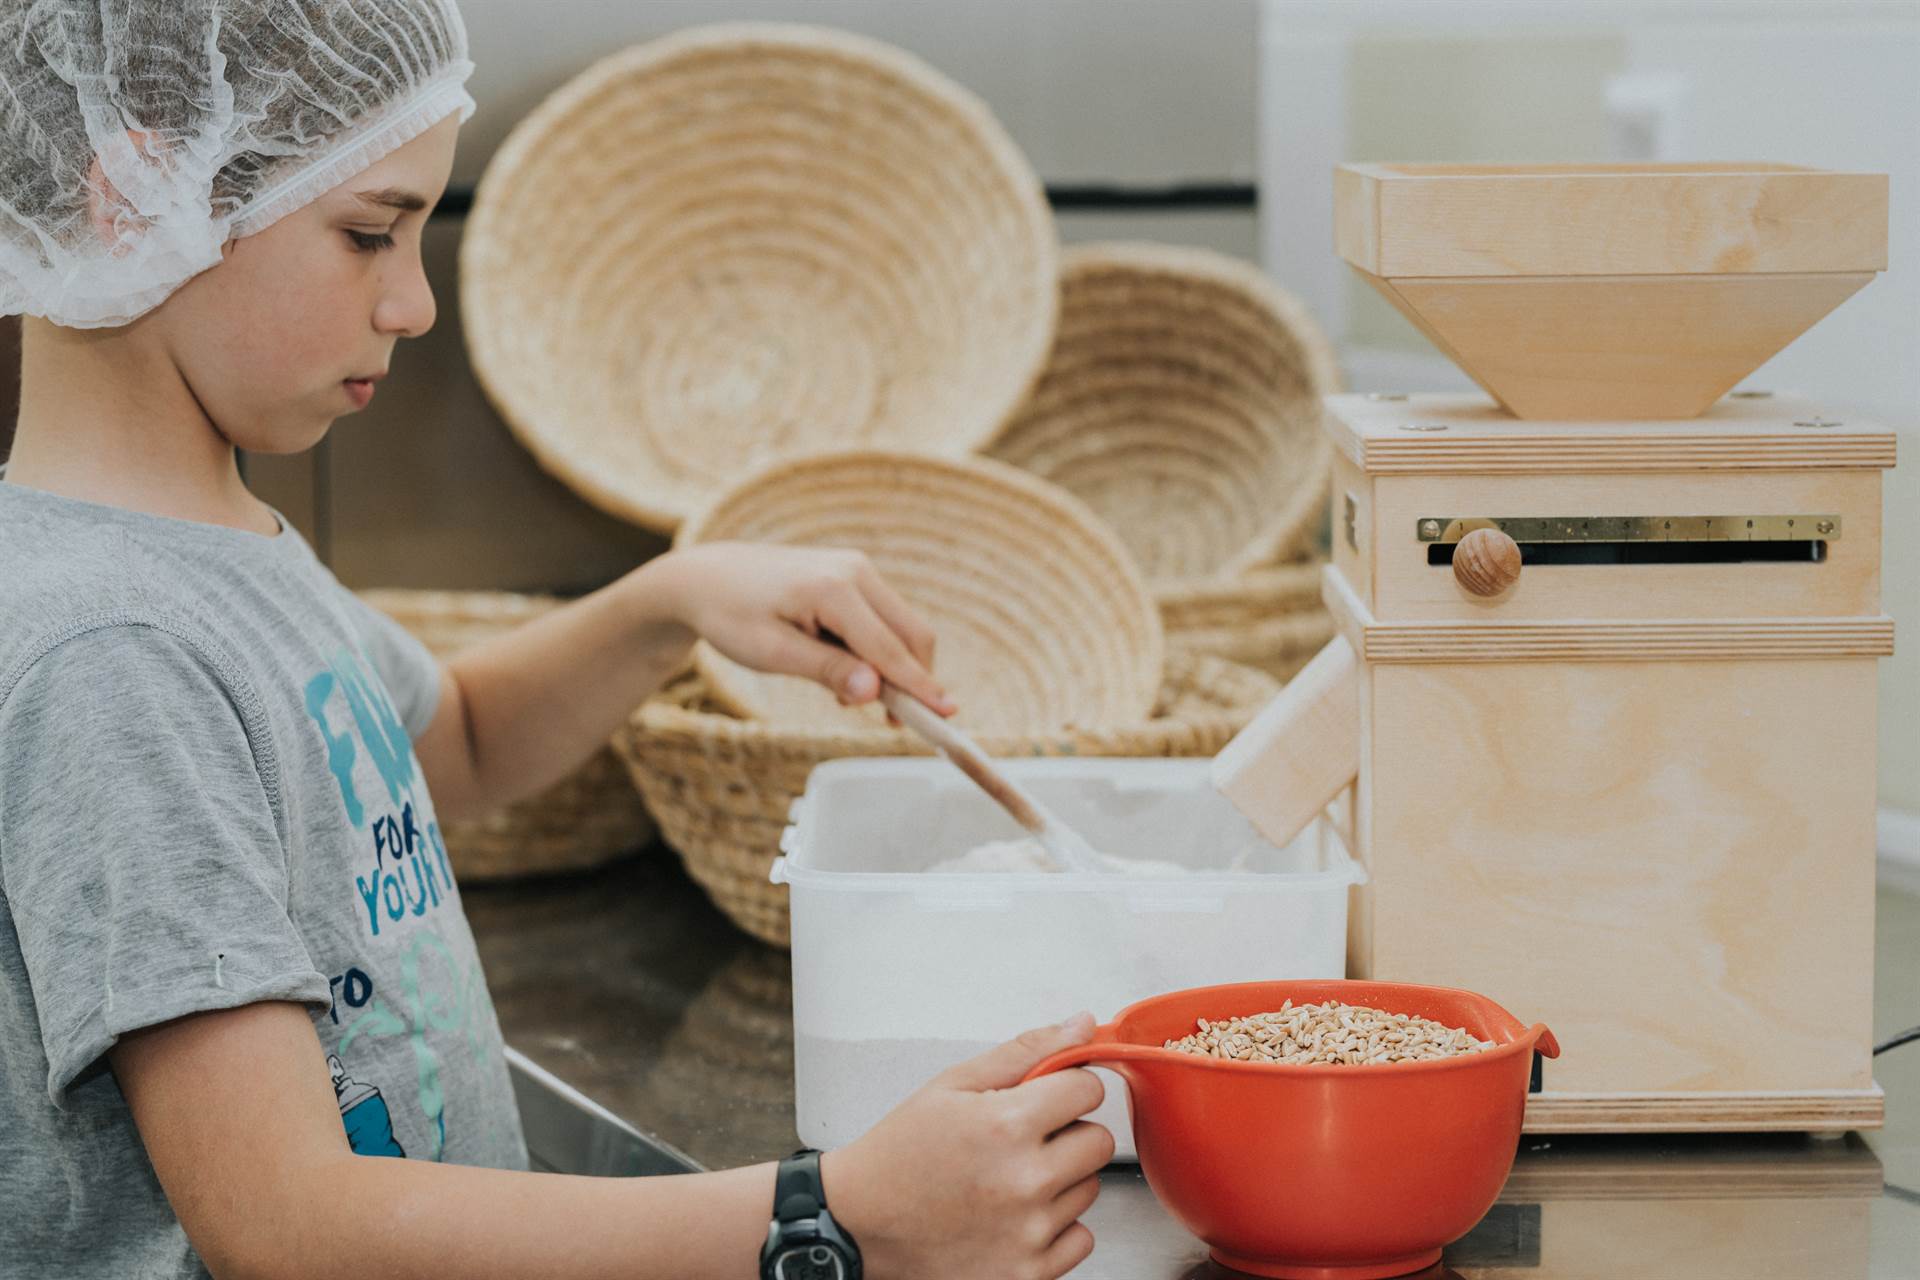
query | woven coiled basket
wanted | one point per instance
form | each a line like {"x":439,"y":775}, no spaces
{"x":1182,"y":403}
{"x":721,"y":787}
{"x":1270,"y":618}
{"x":1044,"y":623}
{"x":749,"y":242}
{"x":587,"y":819}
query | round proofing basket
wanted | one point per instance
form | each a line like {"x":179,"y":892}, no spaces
{"x":1043,"y":620}
{"x":1182,"y":401}
{"x":749,"y":242}
{"x":721,"y":787}
{"x":585,"y":820}
{"x":1269,"y":618}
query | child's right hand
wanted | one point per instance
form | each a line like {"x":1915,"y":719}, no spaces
{"x":976,"y":1176}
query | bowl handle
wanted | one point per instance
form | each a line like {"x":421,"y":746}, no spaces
{"x":1544,"y":1043}
{"x":1105,"y":1047}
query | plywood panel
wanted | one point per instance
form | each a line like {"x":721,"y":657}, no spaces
{"x":1354,"y":537}
{"x":1301,"y":752}
{"x":1609,"y":219}
{"x":1497,"y":639}
{"x":1739,"y":1111}
{"x":1671,"y":864}
{"x":1636,"y":347}
{"x":1452,"y":433}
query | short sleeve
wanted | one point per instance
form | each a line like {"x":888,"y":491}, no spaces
{"x":411,"y":672}
{"x":141,"y":853}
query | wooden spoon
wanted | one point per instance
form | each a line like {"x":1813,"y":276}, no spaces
{"x":1062,"y":843}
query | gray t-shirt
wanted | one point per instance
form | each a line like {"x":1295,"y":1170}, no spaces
{"x":209,"y":798}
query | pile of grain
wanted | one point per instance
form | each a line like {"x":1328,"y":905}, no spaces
{"x":1352,"y":1035}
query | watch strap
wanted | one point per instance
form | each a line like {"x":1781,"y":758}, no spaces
{"x":797,"y":1189}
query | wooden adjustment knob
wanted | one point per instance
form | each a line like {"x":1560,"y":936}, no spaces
{"x":1487,"y":562}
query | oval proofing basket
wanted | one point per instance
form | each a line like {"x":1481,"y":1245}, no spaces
{"x":749,"y":242}
{"x":1271,"y":618}
{"x":1182,"y":402}
{"x":1044,"y":623}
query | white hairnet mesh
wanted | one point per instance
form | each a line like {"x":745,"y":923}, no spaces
{"x":138,"y":136}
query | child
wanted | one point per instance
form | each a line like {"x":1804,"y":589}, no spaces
{"x":226,"y":915}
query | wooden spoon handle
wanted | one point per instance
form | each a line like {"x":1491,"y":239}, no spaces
{"x":963,"y":751}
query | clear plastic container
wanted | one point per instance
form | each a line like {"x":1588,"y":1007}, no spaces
{"x":899,"y":974}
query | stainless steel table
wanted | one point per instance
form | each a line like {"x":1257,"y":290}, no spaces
{"x":648,"y":1037}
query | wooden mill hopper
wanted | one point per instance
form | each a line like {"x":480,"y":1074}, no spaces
{"x":1611,"y":291}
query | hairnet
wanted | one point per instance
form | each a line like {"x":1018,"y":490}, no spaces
{"x":138,"y":136}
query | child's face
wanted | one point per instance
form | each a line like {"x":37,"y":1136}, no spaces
{"x":279,"y":339}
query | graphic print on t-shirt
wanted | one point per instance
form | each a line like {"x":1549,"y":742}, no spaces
{"x":412,"y":982}
{"x":363,"y":1109}
{"x":409,"y":873}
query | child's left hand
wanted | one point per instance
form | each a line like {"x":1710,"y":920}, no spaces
{"x":789,"y":610}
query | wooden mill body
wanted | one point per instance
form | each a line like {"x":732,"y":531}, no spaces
{"x":1633,"y":801}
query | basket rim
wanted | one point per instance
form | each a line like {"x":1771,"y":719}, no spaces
{"x":1294,"y":577}
{"x":667,"y":712}
{"x":481,"y":326}
{"x":1198,"y":262}
{"x":1184,"y":260}
{"x":1191,"y":263}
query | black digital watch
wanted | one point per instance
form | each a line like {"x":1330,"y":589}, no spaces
{"x":804,"y":1242}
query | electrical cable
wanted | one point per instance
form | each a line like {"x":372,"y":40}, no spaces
{"x":1905,"y":1037}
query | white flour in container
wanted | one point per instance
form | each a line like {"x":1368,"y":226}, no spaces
{"x":997,"y":857}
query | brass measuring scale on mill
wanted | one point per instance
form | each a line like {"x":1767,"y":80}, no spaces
{"x":1602,"y":711}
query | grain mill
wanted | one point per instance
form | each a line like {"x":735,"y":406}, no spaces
{"x":1601,"y":716}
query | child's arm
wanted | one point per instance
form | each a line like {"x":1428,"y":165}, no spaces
{"x":522,"y":711}
{"x":971,"y":1177}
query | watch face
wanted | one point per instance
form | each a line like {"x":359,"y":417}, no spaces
{"x":810,"y":1262}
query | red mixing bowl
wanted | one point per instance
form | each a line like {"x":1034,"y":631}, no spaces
{"x":1321,"y":1172}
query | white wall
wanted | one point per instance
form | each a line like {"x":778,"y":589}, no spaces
{"x":1842,"y":95}
{"x":1135,"y":91}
